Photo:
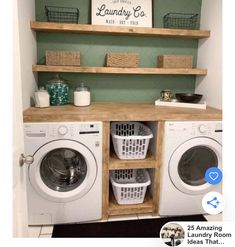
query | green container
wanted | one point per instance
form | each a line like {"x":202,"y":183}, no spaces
{"x":58,"y":90}
{"x":181,"y":21}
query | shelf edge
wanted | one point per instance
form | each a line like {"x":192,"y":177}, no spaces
{"x":112,"y":70}
{"x":115,"y":30}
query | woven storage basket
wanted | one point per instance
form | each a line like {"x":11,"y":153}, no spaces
{"x":129,"y":186}
{"x":123,"y":60}
{"x":175,"y":61}
{"x":130,"y":139}
{"x":66,"y":58}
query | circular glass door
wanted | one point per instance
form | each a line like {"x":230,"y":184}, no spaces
{"x":194,"y":163}
{"x":63,"y":170}
{"x":190,"y":161}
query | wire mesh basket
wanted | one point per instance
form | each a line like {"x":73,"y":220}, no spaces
{"x":62,"y":14}
{"x":181,"y":21}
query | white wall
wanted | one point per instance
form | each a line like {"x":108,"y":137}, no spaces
{"x":6,"y":42}
{"x":28,"y":50}
{"x":24,"y":85}
{"x":210,"y":54}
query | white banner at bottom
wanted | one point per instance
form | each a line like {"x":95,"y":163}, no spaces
{"x":198,"y":234}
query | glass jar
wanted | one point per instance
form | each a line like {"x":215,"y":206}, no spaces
{"x":58,"y":89}
{"x":82,"y":96}
{"x":166,"y":95}
{"x":42,"y":98}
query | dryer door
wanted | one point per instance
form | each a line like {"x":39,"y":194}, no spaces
{"x":190,"y":161}
{"x":63,"y":170}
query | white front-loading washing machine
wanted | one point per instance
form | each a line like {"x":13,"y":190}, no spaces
{"x":64,"y":174}
{"x":189,"y":149}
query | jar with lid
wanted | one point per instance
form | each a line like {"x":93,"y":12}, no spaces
{"x":166,"y":95}
{"x":82,"y":96}
{"x":58,"y":89}
{"x":42,"y":98}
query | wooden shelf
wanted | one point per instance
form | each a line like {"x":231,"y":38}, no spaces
{"x":111,"y":70}
{"x":145,"y":207}
{"x":114,"y":30}
{"x":115,"y":163}
{"x":119,"y":111}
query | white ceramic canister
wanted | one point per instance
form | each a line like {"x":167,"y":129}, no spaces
{"x":42,"y":98}
{"x":82,"y":96}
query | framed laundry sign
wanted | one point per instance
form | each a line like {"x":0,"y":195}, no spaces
{"x":136,"y":13}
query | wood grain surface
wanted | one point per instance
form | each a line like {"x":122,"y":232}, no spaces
{"x":105,"y":172}
{"x":114,"y":70}
{"x":111,"y":111}
{"x":145,"y":207}
{"x":113,"y":30}
{"x":157,"y":175}
{"x":115,"y":163}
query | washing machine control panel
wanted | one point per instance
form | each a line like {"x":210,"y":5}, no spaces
{"x":202,"y":128}
{"x":72,"y":130}
{"x":63,"y":130}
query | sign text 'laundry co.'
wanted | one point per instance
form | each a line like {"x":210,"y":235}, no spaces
{"x":122,"y":12}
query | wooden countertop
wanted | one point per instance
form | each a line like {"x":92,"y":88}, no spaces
{"x":111,"y":111}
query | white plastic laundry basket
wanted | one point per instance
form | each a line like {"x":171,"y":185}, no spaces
{"x":129,"y":186}
{"x":130,"y":139}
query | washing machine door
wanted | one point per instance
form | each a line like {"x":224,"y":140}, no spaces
{"x":63,"y":170}
{"x":190,"y":161}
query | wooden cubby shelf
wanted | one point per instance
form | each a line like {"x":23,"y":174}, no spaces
{"x":117,"y":209}
{"x":111,"y":70}
{"x":115,"y":163}
{"x":114,"y":30}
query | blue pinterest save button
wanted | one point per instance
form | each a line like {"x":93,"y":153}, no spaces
{"x":213,"y":175}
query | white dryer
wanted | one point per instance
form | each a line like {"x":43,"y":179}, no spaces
{"x":64,"y":175}
{"x":189,"y":149}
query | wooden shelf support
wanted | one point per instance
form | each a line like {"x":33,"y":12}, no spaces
{"x":105,"y":171}
{"x":157,"y":175}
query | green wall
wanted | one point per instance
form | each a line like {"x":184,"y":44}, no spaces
{"x":105,"y":87}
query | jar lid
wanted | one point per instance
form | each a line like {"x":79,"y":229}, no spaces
{"x":58,"y":79}
{"x":42,"y":89}
{"x":82,"y":88}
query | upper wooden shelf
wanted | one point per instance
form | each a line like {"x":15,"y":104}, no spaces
{"x":114,"y":30}
{"x":111,"y":70}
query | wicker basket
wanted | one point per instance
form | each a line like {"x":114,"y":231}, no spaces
{"x":123,"y":60}
{"x":69,"y":58}
{"x":175,"y":61}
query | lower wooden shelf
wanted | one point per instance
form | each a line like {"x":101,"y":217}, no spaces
{"x":116,"y":209}
{"x":115,"y":163}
